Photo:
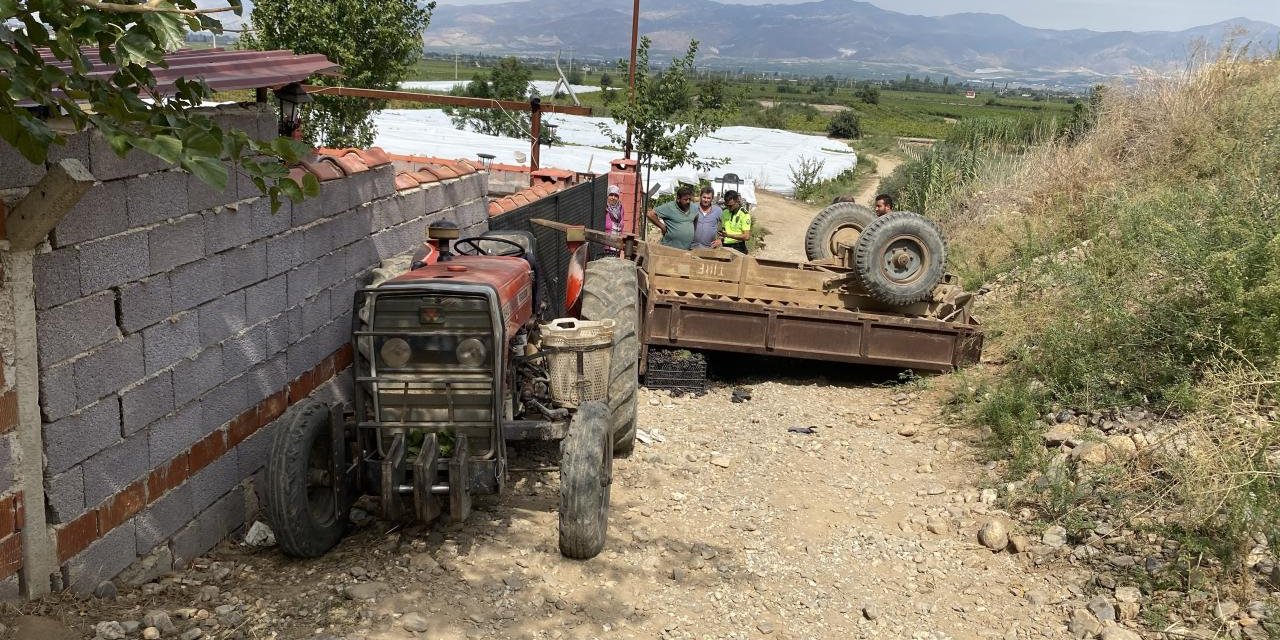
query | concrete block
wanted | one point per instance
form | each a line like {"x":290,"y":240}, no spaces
{"x":342,"y":296}
{"x":156,"y":197}
{"x":268,"y":378}
{"x":201,"y":197}
{"x":276,"y":331}
{"x":384,"y":181}
{"x":305,"y":354}
{"x":213,"y":481}
{"x":106,"y":165}
{"x":335,"y":334}
{"x":64,"y":494}
{"x":244,"y":351}
{"x":145,"y":302}
{"x":335,"y":197}
{"x":434,"y":198}
{"x":196,"y":375}
{"x":266,"y":299}
{"x":316,"y":312}
{"x":75,"y":327}
{"x":285,"y":252}
{"x":245,"y":188}
{"x":103,"y":560}
{"x":115,"y":468}
{"x":244,"y":266}
{"x":173,"y":434}
{"x":58,"y":391}
{"x":109,"y":368}
{"x":222,"y":318}
{"x":210,"y":527}
{"x":162,"y":518}
{"x":177,"y":242}
{"x":412,"y":204}
{"x":384,"y":213}
{"x":472,"y":212}
{"x":226,"y":228}
{"x":196,"y":283}
{"x":317,"y":241}
{"x":302,"y":282}
{"x":330,"y":269}
{"x":362,"y":256}
{"x":146,"y":402}
{"x":99,"y":213}
{"x":346,"y":230}
{"x":362,"y":188}
{"x":74,"y":145}
{"x":74,"y":438}
{"x":57,"y":277}
{"x":113,"y":261}
{"x":225,"y":401}
{"x":15,"y":170}
{"x":171,"y":340}
{"x":252,"y":454}
{"x":295,"y":324}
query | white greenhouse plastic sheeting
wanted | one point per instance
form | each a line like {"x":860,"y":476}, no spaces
{"x":543,"y":87}
{"x":761,"y":156}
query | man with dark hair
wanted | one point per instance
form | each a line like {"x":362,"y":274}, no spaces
{"x":735,"y":222}
{"x":884,"y":204}
{"x":675,"y":219}
{"x":706,"y":226}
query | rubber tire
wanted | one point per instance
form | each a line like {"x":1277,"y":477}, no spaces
{"x":818,"y":239}
{"x":584,"y":485}
{"x":298,"y":533}
{"x":612,"y":291}
{"x":875,"y":240}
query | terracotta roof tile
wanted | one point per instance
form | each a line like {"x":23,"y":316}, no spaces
{"x":521,"y":199}
{"x":425,"y":175}
{"x":558,"y":174}
{"x":374,"y":156}
{"x":405,"y":180}
{"x":494,"y":208}
{"x":296,"y":173}
{"x":441,"y":171}
{"x":323,"y":167}
{"x":514,"y":168}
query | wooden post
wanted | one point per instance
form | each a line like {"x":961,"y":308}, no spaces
{"x":37,"y":214}
{"x":535,"y":130}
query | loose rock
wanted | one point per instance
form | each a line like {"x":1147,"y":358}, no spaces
{"x":993,"y":535}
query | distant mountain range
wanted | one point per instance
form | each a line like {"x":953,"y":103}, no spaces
{"x":833,"y":34}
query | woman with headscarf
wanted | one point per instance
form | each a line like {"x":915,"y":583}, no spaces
{"x":613,"y":214}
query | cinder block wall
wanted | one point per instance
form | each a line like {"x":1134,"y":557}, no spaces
{"x":11,"y":502}
{"x":176,"y":323}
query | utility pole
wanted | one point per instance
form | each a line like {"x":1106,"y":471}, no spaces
{"x":631,"y":90}
{"x":455,"y":65}
{"x":570,"y":60}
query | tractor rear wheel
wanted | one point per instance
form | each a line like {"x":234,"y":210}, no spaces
{"x":612,"y":291}
{"x":303,"y":507}
{"x":900,"y":258}
{"x":586,"y":469}
{"x":839,"y":223}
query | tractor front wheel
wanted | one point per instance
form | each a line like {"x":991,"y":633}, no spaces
{"x":586,"y":470}
{"x":612,"y":292}
{"x":301,"y":502}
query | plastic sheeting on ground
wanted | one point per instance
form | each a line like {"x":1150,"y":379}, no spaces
{"x":543,"y":87}
{"x":761,"y":157}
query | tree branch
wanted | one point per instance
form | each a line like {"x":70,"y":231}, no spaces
{"x":150,"y":6}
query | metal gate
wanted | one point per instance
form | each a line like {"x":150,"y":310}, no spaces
{"x":581,"y":204}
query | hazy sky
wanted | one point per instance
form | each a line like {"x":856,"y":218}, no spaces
{"x":1114,"y":15}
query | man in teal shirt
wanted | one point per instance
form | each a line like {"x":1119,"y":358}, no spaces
{"x":675,"y":219}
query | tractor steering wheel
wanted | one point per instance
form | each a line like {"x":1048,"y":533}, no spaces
{"x":478,"y":250}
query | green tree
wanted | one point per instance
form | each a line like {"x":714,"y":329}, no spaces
{"x":606,"y":80}
{"x":375,"y":41}
{"x":126,"y":106}
{"x":868,"y":94}
{"x":508,"y":80}
{"x":663,"y":119}
{"x":575,"y":77}
{"x":845,"y":124}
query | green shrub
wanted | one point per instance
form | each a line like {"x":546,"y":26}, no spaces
{"x":845,"y":124}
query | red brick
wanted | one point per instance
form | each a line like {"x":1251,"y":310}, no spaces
{"x":10,"y":555}
{"x":242,"y":427}
{"x":342,"y":358}
{"x":271,"y":408}
{"x":8,"y":515}
{"x":76,"y":535}
{"x":208,"y":449}
{"x":167,"y":476}
{"x":122,"y":506}
{"x":324,"y":370}
{"x":9,"y":411}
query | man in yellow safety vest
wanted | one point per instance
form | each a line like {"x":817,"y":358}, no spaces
{"x":735,"y":223}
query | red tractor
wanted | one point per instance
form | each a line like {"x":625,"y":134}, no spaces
{"x":451,"y":362}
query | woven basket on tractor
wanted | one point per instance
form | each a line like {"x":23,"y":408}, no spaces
{"x":578,"y":353}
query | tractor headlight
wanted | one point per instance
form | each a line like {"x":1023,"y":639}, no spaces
{"x":395,"y":353}
{"x":471,"y":352}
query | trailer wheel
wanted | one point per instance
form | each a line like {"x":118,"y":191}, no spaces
{"x":839,"y":223}
{"x":612,"y":291}
{"x":900,"y":258}
{"x":305,"y":516}
{"x":586,"y":464}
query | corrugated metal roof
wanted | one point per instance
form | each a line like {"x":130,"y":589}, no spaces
{"x":223,"y":70}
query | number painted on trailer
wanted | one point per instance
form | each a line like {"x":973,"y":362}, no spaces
{"x":713,"y":269}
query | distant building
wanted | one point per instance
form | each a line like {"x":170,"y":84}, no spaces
{"x":971,"y":94}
